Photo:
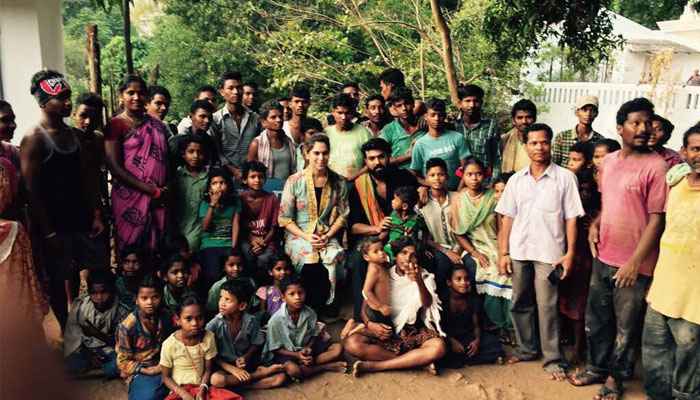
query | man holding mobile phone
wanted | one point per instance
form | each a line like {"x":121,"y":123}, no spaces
{"x":539,"y":206}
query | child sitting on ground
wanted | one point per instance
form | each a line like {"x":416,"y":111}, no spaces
{"x":404,"y":220}
{"x":271,"y":297}
{"x":187,"y":357}
{"x":461,"y":308}
{"x":376,"y":289}
{"x":132,"y":268}
{"x":259,"y":219}
{"x":220,"y":215}
{"x":293,"y":337}
{"x":239,"y":342}
{"x":88,"y":341}
{"x":139,"y":338}
{"x":234,"y":266}
{"x":178,"y":244}
{"x":175,"y":272}
{"x":601,"y":149}
{"x":190,"y":186}
{"x":580,"y":157}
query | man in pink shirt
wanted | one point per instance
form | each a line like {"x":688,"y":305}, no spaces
{"x":624,"y":240}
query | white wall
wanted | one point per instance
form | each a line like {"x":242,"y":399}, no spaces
{"x":31,"y":38}
{"x":683,"y":109}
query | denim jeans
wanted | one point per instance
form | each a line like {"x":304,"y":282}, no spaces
{"x":147,"y":387}
{"x":80,"y":362}
{"x":614,"y":318}
{"x":671,"y":357}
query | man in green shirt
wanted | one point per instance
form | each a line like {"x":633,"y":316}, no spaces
{"x":346,"y":139}
{"x":405,"y":130}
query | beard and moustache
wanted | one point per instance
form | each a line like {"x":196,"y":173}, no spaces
{"x":378,"y":172}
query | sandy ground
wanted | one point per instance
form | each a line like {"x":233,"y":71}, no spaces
{"x":488,"y":382}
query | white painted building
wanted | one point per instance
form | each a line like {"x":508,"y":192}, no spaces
{"x":618,"y":79}
{"x":31,"y":38}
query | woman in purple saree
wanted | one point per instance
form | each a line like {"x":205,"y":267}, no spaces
{"x":136,"y":148}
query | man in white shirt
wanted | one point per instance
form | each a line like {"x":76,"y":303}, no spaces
{"x":539,"y":206}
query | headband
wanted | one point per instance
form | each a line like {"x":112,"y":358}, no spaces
{"x":50,"y":88}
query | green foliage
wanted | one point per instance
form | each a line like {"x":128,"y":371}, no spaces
{"x":648,"y":12}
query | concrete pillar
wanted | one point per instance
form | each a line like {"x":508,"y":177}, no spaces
{"x":31,"y":38}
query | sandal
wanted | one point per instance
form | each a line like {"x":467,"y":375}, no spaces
{"x":586,"y":378}
{"x":605,"y":392}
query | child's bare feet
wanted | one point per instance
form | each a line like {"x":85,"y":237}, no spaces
{"x":499,"y":361}
{"x":337,"y":366}
{"x":349,"y":326}
{"x":431,"y":369}
{"x":271,"y":370}
{"x":358,"y":368}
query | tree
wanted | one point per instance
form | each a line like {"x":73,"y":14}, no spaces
{"x":648,"y":12}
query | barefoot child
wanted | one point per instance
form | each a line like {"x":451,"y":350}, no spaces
{"x":259,"y":219}
{"x":377,"y":287}
{"x":88,"y":341}
{"x":271,"y":297}
{"x":461,"y":307}
{"x":573,"y":291}
{"x":175,"y":271}
{"x":220,"y":215}
{"x":131,"y":269}
{"x":475,"y":223}
{"x":234,"y":266}
{"x":404,"y":220}
{"x":239,"y":342}
{"x":293,"y":337}
{"x":139,"y":338}
{"x":187,"y":357}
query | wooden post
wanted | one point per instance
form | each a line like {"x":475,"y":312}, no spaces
{"x":447,"y":59}
{"x":127,"y":37}
{"x":93,"y":53}
{"x":155,"y":74}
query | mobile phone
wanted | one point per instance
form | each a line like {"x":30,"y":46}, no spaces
{"x":555,"y":276}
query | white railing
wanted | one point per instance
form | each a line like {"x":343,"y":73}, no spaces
{"x":681,"y":105}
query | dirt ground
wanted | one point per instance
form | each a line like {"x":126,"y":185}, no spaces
{"x":487,"y":382}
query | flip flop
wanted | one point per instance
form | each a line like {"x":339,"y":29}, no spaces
{"x":588,"y":378}
{"x":606,"y":392}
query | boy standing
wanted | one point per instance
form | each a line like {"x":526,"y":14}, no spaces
{"x":299,"y":103}
{"x":586,"y":111}
{"x":204,"y":92}
{"x":346,"y":139}
{"x":375,"y":109}
{"x":201,"y":118}
{"x":447,"y":145}
{"x":514,"y":157}
{"x":234,"y":126}
{"x":481,"y":133}
{"x":403,"y":132}
{"x":53,"y":176}
{"x":260,"y":211}
{"x":624,"y":241}
{"x":190,"y":186}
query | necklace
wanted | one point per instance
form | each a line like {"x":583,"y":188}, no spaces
{"x":128,"y":118}
{"x":478,"y":196}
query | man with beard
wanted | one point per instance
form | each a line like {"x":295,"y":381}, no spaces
{"x":624,"y":240}
{"x":586,"y":111}
{"x":370,"y":206}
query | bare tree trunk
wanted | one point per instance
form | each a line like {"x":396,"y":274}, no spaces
{"x":422,"y":73}
{"x":155,"y":74}
{"x":93,"y":53}
{"x":127,"y":37}
{"x":446,"y":49}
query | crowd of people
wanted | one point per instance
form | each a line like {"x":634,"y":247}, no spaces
{"x":452,"y":237}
